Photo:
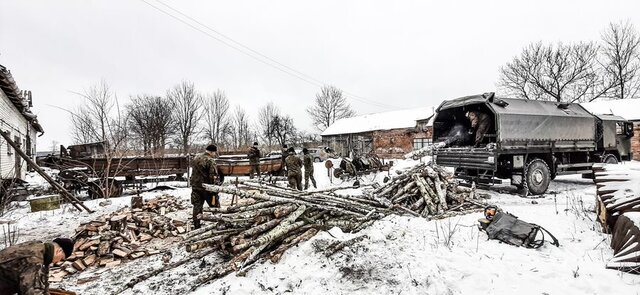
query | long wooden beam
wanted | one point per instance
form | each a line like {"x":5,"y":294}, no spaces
{"x":71,"y":198}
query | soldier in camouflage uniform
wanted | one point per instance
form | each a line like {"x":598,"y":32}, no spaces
{"x":204,"y":170}
{"x":24,"y":268}
{"x":254,"y":160}
{"x":285,"y":152}
{"x":308,"y":169}
{"x":294,"y":169}
{"x":480,"y":124}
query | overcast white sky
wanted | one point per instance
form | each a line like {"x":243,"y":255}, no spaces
{"x":400,"y":53}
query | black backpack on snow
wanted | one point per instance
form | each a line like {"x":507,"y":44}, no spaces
{"x":511,"y":230}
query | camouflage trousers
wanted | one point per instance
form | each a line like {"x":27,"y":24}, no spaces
{"x":295,"y":181}
{"x":255,"y":168}
{"x":308,"y":174}
{"x":198,"y":198}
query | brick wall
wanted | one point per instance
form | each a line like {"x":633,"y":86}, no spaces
{"x":396,"y":143}
{"x":635,"y":141}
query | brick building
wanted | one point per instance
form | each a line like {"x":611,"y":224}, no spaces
{"x":388,"y":135}
{"x":626,"y":108}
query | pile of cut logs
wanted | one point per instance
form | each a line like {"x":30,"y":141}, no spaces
{"x":122,"y":235}
{"x":273,"y":219}
{"x":428,"y":191}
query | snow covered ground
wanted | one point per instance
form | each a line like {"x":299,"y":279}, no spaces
{"x":401,"y":255}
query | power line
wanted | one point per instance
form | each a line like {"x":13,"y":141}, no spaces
{"x":254,"y":54}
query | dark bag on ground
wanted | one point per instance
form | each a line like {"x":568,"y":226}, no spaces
{"x":509,"y":229}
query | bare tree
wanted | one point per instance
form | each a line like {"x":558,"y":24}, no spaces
{"x":151,"y":120}
{"x":563,"y":73}
{"x":241,"y":132}
{"x":188,"y":104}
{"x":621,"y":62}
{"x":98,"y":118}
{"x":330,"y":105}
{"x":265,"y":118}
{"x":283,"y":128}
{"x":216,"y":116}
{"x":82,"y":128}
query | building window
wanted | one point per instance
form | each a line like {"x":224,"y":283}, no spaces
{"x":419,"y":143}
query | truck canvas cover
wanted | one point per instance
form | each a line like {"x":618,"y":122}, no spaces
{"x":520,"y":120}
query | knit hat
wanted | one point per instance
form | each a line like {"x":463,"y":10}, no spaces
{"x":255,"y":143}
{"x":305,"y":151}
{"x":291,"y":150}
{"x":212,"y":148}
{"x":66,"y":245}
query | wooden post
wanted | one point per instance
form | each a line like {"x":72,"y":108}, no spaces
{"x":71,"y":198}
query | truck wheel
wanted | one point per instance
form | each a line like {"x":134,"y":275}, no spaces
{"x":610,"y":159}
{"x":537,"y":176}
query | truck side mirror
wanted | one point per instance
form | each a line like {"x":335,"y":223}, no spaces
{"x":629,"y":129}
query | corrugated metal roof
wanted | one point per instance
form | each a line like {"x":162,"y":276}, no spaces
{"x":10,"y":88}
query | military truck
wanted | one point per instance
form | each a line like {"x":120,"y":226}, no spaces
{"x":529,"y":142}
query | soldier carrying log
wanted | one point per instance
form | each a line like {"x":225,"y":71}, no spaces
{"x":24,"y":268}
{"x":204,"y":170}
{"x":308,"y":169}
{"x":254,"y":160}
{"x":294,"y":169}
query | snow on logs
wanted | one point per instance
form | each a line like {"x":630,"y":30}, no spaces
{"x":428,"y":191}
{"x":272,"y":219}
{"x":268,"y":219}
{"x":625,"y":243}
{"x":618,"y":209}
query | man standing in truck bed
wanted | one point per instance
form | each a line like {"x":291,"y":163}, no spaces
{"x":480,"y":124}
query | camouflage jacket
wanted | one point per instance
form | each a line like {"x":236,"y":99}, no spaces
{"x":294,"y":165}
{"x":254,"y":155}
{"x":24,"y":269}
{"x":204,"y":170}
{"x":308,"y":163}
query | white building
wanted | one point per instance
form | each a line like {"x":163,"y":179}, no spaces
{"x":19,"y":123}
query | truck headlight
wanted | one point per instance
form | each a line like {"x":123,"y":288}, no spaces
{"x":491,"y":159}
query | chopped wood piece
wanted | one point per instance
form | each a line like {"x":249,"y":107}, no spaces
{"x":120,"y":253}
{"x":79,"y":265}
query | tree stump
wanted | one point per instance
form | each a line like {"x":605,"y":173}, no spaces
{"x":137,"y":202}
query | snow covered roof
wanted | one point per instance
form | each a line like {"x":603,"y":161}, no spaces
{"x":379,"y":121}
{"x":626,"y":108}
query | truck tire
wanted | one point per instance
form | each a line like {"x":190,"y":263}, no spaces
{"x":610,"y":159}
{"x":537,"y":176}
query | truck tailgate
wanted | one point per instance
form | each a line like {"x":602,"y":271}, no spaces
{"x":471,"y":158}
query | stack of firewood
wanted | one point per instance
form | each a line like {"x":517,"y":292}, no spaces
{"x":270,"y":219}
{"x":428,"y":190}
{"x":123,"y":235}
